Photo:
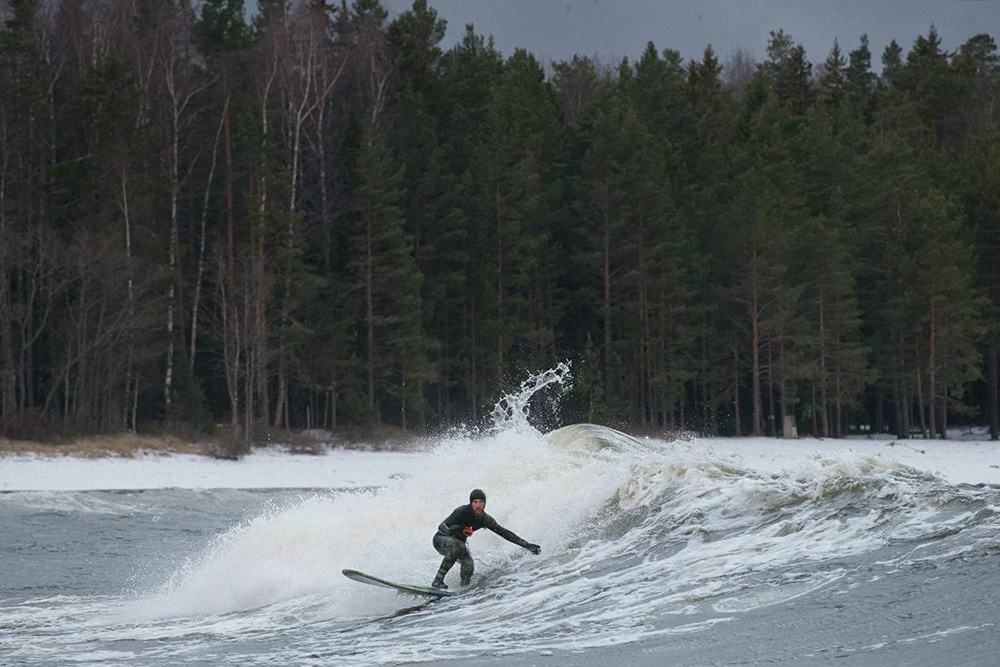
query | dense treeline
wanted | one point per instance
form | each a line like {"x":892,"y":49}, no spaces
{"x":318,"y":218}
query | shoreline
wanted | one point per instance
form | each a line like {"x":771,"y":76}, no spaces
{"x":130,"y":445}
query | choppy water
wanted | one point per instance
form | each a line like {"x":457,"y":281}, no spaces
{"x":653,"y":553}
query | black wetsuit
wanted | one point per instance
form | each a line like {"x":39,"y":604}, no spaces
{"x":449,"y":540}
{"x":463,"y":516}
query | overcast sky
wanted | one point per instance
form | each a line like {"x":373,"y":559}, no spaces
{"x":556,"y":29}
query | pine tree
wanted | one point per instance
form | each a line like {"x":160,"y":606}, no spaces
{"x":518,"y":198}
{"x":414,"y":37}
{"x":708,"y":162}
{"x":603,"y":212}
{"x":983,"y":208}
{"x":892,"y":64}
{"x":833,"y":83}
{"x":768,"y":218}
{"x":789,"y":71}
{"x":469,"y":71}
{"x":387,"y":278}
{"x":952,"y":306}
{"x":860,"y":79}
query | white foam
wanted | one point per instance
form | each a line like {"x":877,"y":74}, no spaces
{"x":541,"y":495}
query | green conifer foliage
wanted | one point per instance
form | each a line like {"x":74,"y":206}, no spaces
{"x":349,"y":225}
{"x":389,"y":282}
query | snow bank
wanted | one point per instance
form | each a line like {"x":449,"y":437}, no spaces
{"x":260,"y":470}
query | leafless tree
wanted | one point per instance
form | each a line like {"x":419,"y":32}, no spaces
{"x":738,"y":72}
{"x":181,"y":87}
{"x":307,"y":79}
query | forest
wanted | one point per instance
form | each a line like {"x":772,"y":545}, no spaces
{"x":316,"y":217}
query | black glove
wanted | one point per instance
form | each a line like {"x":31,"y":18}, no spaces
{"x":533,"y":548}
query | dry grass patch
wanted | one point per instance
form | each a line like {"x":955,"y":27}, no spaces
{"x":122,"y":445}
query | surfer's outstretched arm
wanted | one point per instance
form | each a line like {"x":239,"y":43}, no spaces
{"x":509,"y":535}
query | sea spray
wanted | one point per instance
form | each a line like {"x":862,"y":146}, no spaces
{"x":537,"y":491}
{"x":512,"y":411}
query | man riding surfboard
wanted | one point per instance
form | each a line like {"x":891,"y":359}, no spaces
{"x":450,"y":538}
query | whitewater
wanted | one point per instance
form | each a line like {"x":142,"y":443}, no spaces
{"x":654,"y":552}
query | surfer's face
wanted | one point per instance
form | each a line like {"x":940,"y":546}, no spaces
{"x":478,"y":507}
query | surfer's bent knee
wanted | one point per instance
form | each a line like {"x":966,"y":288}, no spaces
{"x":450,"y":546}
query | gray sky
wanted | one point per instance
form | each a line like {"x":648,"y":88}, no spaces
{"x":556,"y":29}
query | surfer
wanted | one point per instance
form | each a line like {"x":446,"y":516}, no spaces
{"x":449,"y":540}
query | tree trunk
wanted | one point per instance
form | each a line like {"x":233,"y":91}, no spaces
{"x":230,"y":250}
{"x":943,"y":422}
{"x":706,"y":406}
{"x":333,"y":401}
{"x":755,"y":356}
{"x":920,"y":398}
{"x":815,"y":425}
{"x":931,"y":372}
{"x":822,"y":366}
{"x":130,"y":362}
{"x":307,"y":70}
{"x":839,"y":422}
{"x":781,"y":383}
{"x":6,"y":314}
{"x":174,"y":248}
{"x":370,"y":314}
{"x":879,"y":412}
{"x":991,"y":394}
{"x":736,"y":389}
{"x":500,"y":316}
{"x":772,"y":424}
{"x":474,"y":370}
{"x":259,"y":271}
{"x":606,"y":304}
{"x":232,"y":332}
{"x":902,"y":393}
{"x":201,"y":245}
{"x":402,"y":398}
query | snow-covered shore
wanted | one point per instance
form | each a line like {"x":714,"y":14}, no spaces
{"x":264,"y":469}
{"x":958,"y":461}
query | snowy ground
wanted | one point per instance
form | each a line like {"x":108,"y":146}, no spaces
{"x":264,"y":469}
{"x":958,"y":461}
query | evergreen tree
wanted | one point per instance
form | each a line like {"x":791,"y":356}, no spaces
{"x":469,"y":72}
{"x":414,"y":37}
{"x":387,"y":277}
{"x":892,"y":64}
{"x":860,"y":79}
{"x":949,"y":306}
{"x":520,"y":133}
{"x":982,"y":196}
{"x":709,"y":162}
{"x":833,"y":82}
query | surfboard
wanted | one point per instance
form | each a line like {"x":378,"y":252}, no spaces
{"x":364,"y":578}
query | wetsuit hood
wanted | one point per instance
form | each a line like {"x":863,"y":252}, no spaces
{"x":477,"y":494}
